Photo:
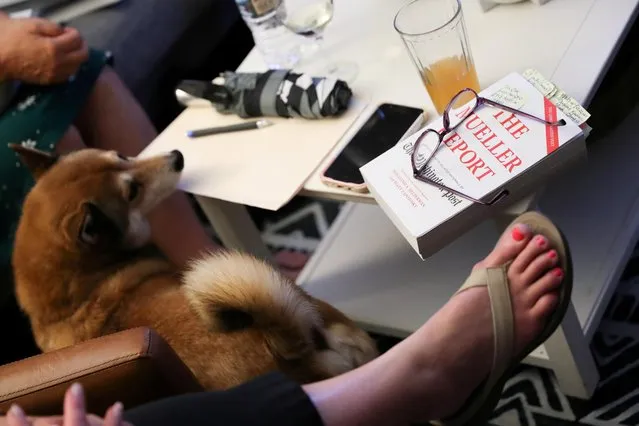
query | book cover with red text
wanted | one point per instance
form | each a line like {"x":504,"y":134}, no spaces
{"x":492,"y":150}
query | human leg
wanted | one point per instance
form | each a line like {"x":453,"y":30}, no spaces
{"x":431,"y":374}
{"x":149,"y":47}
{"x":71,"y":141}
{"x":113,"y":120}
{"x":268,"y":400}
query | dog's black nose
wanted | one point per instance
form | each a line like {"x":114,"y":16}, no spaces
{"x":178,"y":160}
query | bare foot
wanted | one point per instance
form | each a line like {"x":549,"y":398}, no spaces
{"x":461,"y":333}
{"x":431,"y":374}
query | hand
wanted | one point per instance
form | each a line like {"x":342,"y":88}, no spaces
{"x":38,"y":51}
{"x":74,"y":414}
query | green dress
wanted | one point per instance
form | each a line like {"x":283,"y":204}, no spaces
{"x":38,"y":117}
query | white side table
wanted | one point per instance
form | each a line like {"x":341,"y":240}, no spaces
{"x":365,"y":268}
{"x":570,"y":41}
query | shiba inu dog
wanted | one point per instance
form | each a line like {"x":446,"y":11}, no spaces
{"x":79,"y":274}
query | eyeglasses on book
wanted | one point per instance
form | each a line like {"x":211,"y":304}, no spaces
{"x":461,"y":106}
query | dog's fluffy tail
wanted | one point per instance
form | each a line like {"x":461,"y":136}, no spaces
{"x":233,"y":292}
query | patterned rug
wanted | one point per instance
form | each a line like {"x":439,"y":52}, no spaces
{"x":530,"y":398}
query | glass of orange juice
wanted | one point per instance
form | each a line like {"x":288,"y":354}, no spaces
{"x":435,"y":35}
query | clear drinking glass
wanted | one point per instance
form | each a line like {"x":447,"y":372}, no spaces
{"x":309,"y":18}
{"x":434,"y":34}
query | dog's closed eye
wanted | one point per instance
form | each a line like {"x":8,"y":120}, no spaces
{"x":122,"y":157}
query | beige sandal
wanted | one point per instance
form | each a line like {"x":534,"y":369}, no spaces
{"x":479,"y":407}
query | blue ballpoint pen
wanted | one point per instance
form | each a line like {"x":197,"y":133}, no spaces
{"x":226,"y":129}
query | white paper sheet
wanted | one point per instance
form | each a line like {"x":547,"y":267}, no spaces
{"x":263,"y":168}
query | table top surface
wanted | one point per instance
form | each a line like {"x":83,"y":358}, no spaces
{"x":569,"y":41}
{"x":357,"y":270}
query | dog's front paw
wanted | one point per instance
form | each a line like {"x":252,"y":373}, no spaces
{"x":350,"y":348}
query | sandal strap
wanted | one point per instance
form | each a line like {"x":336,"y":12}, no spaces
{"x":496,"y":279}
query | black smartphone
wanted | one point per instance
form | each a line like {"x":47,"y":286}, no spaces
{"x":386,"y":126}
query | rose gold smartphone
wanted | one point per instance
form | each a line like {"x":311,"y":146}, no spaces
{"x":386,"y":126}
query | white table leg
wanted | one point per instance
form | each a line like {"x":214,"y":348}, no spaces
{"x":234,"y":226}
{"x":570,"y":358}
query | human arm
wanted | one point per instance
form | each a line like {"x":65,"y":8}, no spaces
{"x":38,"y":51}
{"x":3,"y":17}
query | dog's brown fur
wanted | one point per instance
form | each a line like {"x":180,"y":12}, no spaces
{"x":79,"y":275}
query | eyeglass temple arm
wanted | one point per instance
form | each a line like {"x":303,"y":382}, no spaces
{"x":561,"y":122}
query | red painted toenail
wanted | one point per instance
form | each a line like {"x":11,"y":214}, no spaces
{"x":558,"y":273}
{"x":518,"y":235}
{"x":541,"y":241}
{"x":552,"y":254}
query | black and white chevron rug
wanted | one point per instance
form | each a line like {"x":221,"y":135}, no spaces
{"x":531,"y":398}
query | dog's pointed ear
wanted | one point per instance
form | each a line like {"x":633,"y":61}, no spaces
{"x":96,"y":227}
{"x":36,"y":161}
